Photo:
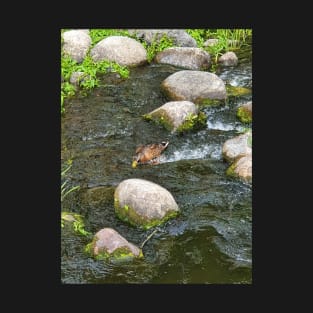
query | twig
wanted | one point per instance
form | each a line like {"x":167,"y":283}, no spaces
{"x":148,"y":238}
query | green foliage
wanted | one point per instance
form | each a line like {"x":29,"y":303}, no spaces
{"x":228,"y":40}
{"x":90,"y":69}
{"x":77,"y":220}
{"x":199,"y":35}
{"x":157,"y":46}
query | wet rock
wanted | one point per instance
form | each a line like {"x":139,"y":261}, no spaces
{"x":76,"y":44}
{"x":175,"y":115}
{"x":244,"y":112}
{"x":179,"y":37}
{"x":242,"y":168}
{"x":143,"y":203}
{"x":120,"y":49}
{"x":194,"y":86}
{"x":238,"y":151}
{"x":237,"y":147}
{"x":186,"y":57}
{"x":228,"y":59}
{"x":108,"y":243}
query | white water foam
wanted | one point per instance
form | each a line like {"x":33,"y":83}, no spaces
{"x":221,"y":126}
{"x":213,"y":151}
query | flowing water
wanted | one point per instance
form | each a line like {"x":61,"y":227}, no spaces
{"x":211,"y":240}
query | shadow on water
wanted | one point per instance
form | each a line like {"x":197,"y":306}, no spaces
{"x":211,"y":240}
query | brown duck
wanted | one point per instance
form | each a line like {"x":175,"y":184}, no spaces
{"x":149,"y":153}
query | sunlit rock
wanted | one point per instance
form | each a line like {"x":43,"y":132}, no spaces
{"x":186,"y":57}
{"x":178,"y":115}
{"x":120,"y":49}
{"x":76,"y":44}
{"x":194,"y":86}
{"x":108,"y":243}
{"x":143,"y":203}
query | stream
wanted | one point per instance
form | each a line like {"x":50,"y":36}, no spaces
{"x":210,"y":242}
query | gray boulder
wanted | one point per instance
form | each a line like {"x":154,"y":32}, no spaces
{"x":76,"y":44}
{"x":228,"y":59}
{"x":143,"y":203}
{"x":194,"y":86}
{"x":172,"y":115}
{"x":237,"y":147}
{"x":186,"y":57}
{"x":120,"y":49}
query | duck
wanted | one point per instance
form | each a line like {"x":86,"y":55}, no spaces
{"x":149,"y":153}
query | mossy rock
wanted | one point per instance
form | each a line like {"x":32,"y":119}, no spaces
{"x":108,"y":244}
{"x":143,"y":204}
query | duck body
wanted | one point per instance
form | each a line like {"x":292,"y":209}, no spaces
{"x":149,"y":153}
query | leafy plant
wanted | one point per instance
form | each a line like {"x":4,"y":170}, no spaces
{"x":157,"y":46}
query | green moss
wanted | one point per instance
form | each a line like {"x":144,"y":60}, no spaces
{"x":231,"y":171}
{"x":121,"y":253}
{"x":160,"y":117}
{"x":244,"y":115}
{"x":193,"y":122}
{"x":209,"y":102}
{"x":131,"y":217}
{"x":233,"y":91}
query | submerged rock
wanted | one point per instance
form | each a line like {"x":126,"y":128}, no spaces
{"x":120,"y":49}
{"x":143,"y":203}
{"x":194,"y":86}
{"x":108,"y":243}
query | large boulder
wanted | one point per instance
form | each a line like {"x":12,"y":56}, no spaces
{"x":109,"y":244}
{"x":143,"y":203}
{"x":120,"y":49}
{"x":76,"y":44}
{"x":195,"y":86}
{"x":178,"y":115}
{"x":186,"y":57}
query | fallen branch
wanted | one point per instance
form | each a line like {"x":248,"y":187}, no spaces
{"x":141,"y":246}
